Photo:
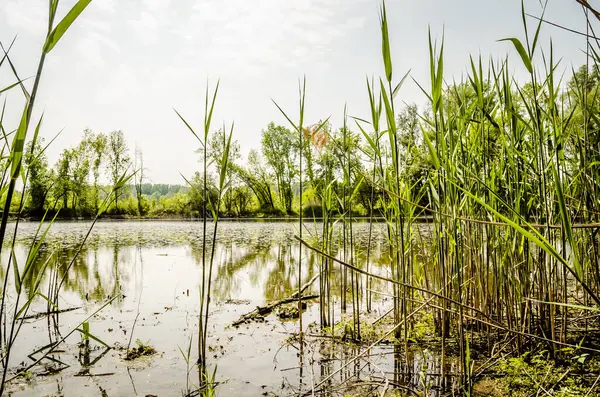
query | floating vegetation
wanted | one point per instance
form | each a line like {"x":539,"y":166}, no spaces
{"x":289,"y":311}
{"x":142,"y":350}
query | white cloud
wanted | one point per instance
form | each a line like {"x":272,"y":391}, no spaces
{"x":145,"y":28}
{"x":105,"y":5}
{"x":155,"y":15}
{"x":95,"y":42}
{"x":92,"y":46}
{"x":25,"y":16}
{"x":121,"y":86}
{"x":267,"y":32}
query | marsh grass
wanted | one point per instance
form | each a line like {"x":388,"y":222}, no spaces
{"x":510,"y":184}
{"x":210,"y":211}
{"x":299,"y":129}
{"x":143,"y":349}
{"x":26,"y":277}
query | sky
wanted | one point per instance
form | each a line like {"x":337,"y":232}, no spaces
{"x":126,"y":65}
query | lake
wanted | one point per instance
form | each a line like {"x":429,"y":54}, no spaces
{"x":156,"y":266}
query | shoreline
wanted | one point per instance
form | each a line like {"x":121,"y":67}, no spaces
{"x":115,"y":218}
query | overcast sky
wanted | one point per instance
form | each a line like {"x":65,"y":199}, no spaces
{"x":126,"y":64}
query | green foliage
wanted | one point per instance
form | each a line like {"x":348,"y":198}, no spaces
{"x":143,"y":349}
{"x":118,"y":159}
{"x":257,"y":178}
{"x":60,"y":29}
{"x":423,"y":327}
{"x":74,"y":186}
{"x":281,"y":152}
{"x":217,"y":147}
{"x":241,"y":197}
{"x":40,"y":178}
{"x":527,"y":374}
{"x":97,"y":145}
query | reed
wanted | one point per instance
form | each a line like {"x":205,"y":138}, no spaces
{"x":508,"y":175}
{"x":27,"y":277}
{"x":210,"y":210}
{"x":300,"y":132}
{"x":506,"y":171}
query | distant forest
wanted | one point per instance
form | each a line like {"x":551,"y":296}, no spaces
{"x":267,"y":181}
{"x":265,"y":185}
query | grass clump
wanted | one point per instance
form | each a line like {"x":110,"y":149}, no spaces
{"x":371,"y":330}
{"x":289,"y":311}
{"x":143,"y":349}
{"x":528,"y":374}
{"x":423,"y":327}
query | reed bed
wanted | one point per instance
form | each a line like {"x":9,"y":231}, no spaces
{"x":509,"y":181}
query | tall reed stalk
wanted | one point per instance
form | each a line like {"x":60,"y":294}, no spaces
{"x":300,"y":131}
{"x":211,"y":209}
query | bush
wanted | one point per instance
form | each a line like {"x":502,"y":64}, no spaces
{"x":313,"y":211}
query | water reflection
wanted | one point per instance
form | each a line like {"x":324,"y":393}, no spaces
{"x":96,"y":273}
{"x":348,"y":369}
{"x":155,"y":265}
{"x":251,"y":259}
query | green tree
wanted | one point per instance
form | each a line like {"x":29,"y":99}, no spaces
{"x":39,"y":182}
{"x":257,"y":179}
{"x":80,"y":172}
{"x":118,"y":160}
{"x":97,"y":143}
{"x":196,"y":198}
{"x":413,"y":151}
{"x":62,"y":183}
{"x":241,"y":198}
{"x":216,"y":147}
{"x":71,"y":183}
{"x":280,"y":151}
{"x":584,"y":80}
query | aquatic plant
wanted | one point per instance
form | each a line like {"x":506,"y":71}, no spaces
{"x":210,"y":209}
{"x":507,"y":180}
{"x":26,"y":277}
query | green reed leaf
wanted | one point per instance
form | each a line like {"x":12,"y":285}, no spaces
{"x":522,"y":52}
{"x":62,"y":27}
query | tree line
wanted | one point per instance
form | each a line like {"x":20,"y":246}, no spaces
{"x":85,"y":174}
{"x":267,"y":182}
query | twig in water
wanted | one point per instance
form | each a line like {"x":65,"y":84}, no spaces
{"x":264,"y":310}
{"x":138,"y":307}
{"x":48,"y":313}
{"x":53,"y":348}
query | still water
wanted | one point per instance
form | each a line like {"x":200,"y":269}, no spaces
{"x":156,"y":266}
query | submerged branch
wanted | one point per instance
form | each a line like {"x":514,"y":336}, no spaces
{"x":262,"y":311}
{"x":48,"y":313}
